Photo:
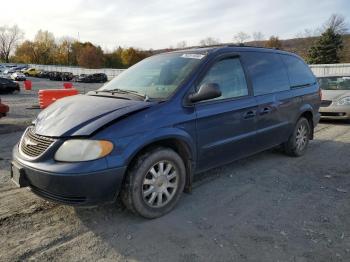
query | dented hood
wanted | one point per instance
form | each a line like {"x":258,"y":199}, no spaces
{"x":81,"y":115}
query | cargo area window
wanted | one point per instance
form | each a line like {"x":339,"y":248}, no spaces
{"x":267,"y":71}
{"x":299,"y":73}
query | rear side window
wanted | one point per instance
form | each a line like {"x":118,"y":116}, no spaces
{"x":267,"y":72}
{"x":229,"y":75}
{"x":299,"y":73}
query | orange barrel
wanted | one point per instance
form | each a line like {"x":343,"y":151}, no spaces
{"x":3,"y":109}
{"x":48,"y":96}
{"x":67,"y":85}
{"x":28,"y":85}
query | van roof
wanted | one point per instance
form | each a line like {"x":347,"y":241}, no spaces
{"x":237,"y":48}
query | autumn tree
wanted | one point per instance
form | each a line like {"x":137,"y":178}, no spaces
{"x":9,"y":39}
{"x":131,"y":56}
{"x":44,"y":47}
{"x":114,"y":59}
{"x":90,"y":56}
{"x":25,"y":53}
{"x":274,"y":42}
{"x":63,"y":51}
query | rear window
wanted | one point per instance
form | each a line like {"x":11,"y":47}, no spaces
{"x":267,"y":72}
{"x":299,"y":73}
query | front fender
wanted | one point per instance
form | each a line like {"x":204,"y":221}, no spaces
{"x":128,"y":147}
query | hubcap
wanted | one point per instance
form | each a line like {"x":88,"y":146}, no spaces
{"x":160,"y":184}
{"x":302,"y":137}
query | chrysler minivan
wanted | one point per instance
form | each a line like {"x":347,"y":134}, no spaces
{"x":144,"y":135}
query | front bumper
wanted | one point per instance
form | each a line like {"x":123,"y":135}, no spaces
{"x":335,"y":112}
{"x":87,"y":189}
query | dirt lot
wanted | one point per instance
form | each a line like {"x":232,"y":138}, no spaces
{"x":268,"y":207}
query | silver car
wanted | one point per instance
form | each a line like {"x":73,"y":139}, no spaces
{"x":335,"y":97}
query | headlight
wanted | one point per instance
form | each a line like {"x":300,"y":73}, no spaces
{"x":344,"y":101}
{"x":76,"y":150}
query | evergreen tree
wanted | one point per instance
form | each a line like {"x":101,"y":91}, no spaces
{"x":327,"y":48}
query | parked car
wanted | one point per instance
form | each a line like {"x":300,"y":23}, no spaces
{"x":335,"y":97}
{"x":8,"y":85}
{"x":32,"y":72}
{"x":3,"y":109}
{"x":146,"y":133}
{"x":9,"y":71}
{"x":56,"y":76}
{"x":21,"y":67}
{"x":67,"y":76}
{"x":60,"y":76}
{"x":93,"y":78}
{"x":17,"y":76}
{"x":2,"y":69}
{"x":44,"y":74}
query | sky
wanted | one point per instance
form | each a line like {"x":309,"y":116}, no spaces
{"x":160,"y":24}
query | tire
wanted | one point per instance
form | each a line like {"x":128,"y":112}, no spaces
{"x":144,"y":188}
{"x":299,"y":140}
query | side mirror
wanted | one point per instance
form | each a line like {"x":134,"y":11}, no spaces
{"x":205,"y":92}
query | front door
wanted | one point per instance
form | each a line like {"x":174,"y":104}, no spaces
{"x":225,"y":125}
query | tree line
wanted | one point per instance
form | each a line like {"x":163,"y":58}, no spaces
{"x":326,"y":46}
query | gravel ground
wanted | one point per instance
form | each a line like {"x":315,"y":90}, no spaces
{"x":268,"y":207}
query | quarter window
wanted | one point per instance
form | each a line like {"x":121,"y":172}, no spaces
{"x":229,"y":75}
{"x":267,"y":72}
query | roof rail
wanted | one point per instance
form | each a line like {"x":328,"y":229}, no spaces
{"x":234,"y":45}
{"x":243,"y":45}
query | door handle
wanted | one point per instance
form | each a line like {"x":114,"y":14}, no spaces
{"x":250,"y":114}
{"x":265,"y":111}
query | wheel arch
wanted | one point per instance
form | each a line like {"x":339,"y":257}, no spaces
{"x":180,"y":145}
{"x":308,"y":114}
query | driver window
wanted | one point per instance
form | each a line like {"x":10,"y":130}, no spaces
{"x":229,"y":75}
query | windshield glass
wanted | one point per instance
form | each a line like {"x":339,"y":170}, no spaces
{"x":334,"y":83}
{"x":156,"y":77}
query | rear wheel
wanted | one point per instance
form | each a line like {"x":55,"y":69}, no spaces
{"x":299,"y":140}
{"x":155,"y":183}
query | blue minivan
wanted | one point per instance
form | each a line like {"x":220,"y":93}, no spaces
{"x":145,"y":134}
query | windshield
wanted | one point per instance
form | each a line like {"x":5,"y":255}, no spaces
{"x":334,"y":83}
{"x":156,"y":77}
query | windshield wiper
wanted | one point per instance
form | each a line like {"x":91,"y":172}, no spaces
{"x":124,"y":91}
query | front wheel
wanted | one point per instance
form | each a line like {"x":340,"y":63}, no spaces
{"x":155,"y":183}
{"x":299,"y":140}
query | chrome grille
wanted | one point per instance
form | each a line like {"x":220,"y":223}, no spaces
{"x":34,"y":145}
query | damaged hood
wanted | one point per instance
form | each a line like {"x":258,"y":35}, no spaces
{"x":81,"y":115}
